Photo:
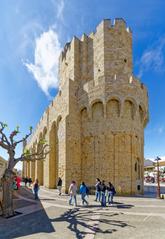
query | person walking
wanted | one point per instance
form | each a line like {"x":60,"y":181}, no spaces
{"x":26,"y":181}
{"x":30,"y":182}
{"x":72,"y":193}
{"x":103,"y":193}
{"x":98,"y":191}
{"x":59,"y":185}
{"x":111,"y":192}
{"x":83,"y":192}
{"x":35,"y":188}
{"x":18,"y":182}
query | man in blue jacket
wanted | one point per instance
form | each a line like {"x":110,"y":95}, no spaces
{"x":83,"y":192}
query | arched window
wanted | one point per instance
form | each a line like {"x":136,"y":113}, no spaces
{"x":97,"y":111}
{"x":113,"y":108}
{"x":128,"y":109}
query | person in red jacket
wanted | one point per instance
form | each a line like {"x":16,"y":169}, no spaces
{"x":18,"y":182}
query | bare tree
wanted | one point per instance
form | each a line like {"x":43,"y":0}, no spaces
{"x":9,"y":144}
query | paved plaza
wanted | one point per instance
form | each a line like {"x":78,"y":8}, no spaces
{"x":52,"y":217}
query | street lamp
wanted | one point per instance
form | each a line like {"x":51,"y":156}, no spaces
{"x":158,"y":181}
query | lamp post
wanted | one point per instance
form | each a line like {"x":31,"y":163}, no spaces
{"x":158,"y":181}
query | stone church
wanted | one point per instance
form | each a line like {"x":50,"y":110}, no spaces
{"x":95,"y":124}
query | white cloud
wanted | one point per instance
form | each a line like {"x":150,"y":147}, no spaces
{"x":45,"y":67}
{"x":27,"y":35}
{"x":59,"y":9}
{"x":47,"y":51}
{"x":153,"y":58}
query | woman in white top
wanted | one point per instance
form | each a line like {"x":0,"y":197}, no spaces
{"x":72,"y":193}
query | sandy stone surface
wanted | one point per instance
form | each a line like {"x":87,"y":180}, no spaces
{"x":95,"y":124}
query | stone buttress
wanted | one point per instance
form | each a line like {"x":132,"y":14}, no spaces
{"x":95,"y":125}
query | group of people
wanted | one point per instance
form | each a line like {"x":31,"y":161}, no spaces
{"x":27,"y":180}
{"x":104,"y":191}
{"x":83,"y":190}
{"x":35,"y":184}
{"x":73,"y":192}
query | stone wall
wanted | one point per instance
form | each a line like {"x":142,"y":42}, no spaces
{"x":3,"y":166}
{"x":95,"y":124}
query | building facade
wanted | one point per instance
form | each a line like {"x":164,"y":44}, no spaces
{"x":3,"y":166}
{"x":95,"y":124}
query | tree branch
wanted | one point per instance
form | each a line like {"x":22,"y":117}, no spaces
{"x":35,"y":156}
{"x":3,"y":145}
{"x":3,"y":138}
{"x":24,"y":139}
{"x":10,"y":144}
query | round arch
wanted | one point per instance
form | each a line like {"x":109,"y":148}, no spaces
{"x":132,"y":106}
{"x":113,"y":106}
{"x":97,"y":109}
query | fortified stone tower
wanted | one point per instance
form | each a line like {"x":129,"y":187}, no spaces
{"x":95,"y":125}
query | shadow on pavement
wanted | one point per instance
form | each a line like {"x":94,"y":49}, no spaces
{"x":122,"y":205}
{"x":86,"y":222}
{"x":26,"y":224}
{"x":49,"y":199}
{"x":114,"y":205}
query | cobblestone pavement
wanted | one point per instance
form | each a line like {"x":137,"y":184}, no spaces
{"x":52,"y":217}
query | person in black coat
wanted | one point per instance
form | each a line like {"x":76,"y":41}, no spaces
{"x":98,"y":191}
{"x":59,"y":185}
{"x":103,"y":193}
{"x":111,"y":192}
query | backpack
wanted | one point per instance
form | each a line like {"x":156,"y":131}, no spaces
{"x":87,"y":190}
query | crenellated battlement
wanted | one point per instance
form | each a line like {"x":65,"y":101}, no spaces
{"x":107,"y":51}
{"x":95,"y":124}
{"x":118,"y":24}
{"x":66,"y":48}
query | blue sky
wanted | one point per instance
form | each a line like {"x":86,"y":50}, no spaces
{"x":32,"y":32}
